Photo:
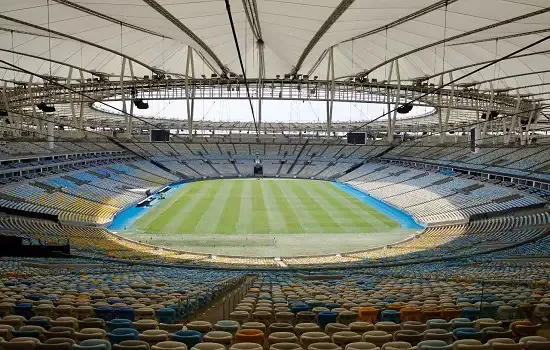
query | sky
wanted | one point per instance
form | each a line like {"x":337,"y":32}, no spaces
{"x":284,"y":111}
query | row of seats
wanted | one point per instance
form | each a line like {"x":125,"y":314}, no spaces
{"x":424,"y":194}
{"x":112,"y":305}
{"x":504,"y":159}
{"x":82,"y":196}
{"x":24,"y":148}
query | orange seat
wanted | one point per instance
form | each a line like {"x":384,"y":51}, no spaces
{"x":367,"y":314}
{"x":411,"y":314}
{"x":249,"y":336}
{"x":395,"y":306}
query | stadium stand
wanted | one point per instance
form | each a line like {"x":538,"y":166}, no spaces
{"x":425,"y":120}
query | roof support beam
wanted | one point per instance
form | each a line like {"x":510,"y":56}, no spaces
{"x":544,"y":52}
{"x":338,"y":11}
{"x":397,"y":97}
{"x":36,"y":120}
{"x":317,"y":63}
{"x":15,"y":20}
{"x":190,"y":92}
{"x":332,"y":90}
{"x":11,"y":117}
{"x":390,"y":134}
{"x":451,"y":101}
{"x":261,"y":72}
{"x":10,"y":30}
{"x":253,"y":17}
{"x":455,"y":37}
{"x":512,"y":127}
{"x":511,"y":77}
{"x":402,"y":20}
{"x":81,"y":130}
{"x":170,"y":17}
{"x":534,"y":123}
{"x":487,"y":113}
{"x":439,"y":115}
{"x":108,"y":18}
{"x":48,"y":60}
{"x":503,"y":37}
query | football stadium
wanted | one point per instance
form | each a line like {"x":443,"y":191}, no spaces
{"x":275,"y":175}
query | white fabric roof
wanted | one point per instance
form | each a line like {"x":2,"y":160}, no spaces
{"x":287,"y":27}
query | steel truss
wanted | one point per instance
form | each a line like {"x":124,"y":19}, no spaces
{"x":454,"y":107}
{"x":272,"y":89}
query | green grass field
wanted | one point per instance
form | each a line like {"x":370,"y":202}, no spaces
{"x":267,"y":206}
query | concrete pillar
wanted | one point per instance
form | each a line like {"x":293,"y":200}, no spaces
{"x":50,"y":138}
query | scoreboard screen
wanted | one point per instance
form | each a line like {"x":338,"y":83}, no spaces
{"x":357,"y":138}
{"x":160,"y":135}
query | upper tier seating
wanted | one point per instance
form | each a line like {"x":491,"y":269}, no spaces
{"x":23,"y":147}
{"x":529,"y":161}
{"x":433,"y":197}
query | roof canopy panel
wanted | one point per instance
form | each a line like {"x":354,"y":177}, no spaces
{"x":428,"y":37}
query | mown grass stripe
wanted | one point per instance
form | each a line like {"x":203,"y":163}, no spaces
{"x":275,"y":216}
{"x":169,"y":220}
{"x":189,"y":222}
{"x":211,"y":217}
{"x":349,"y":220}
{"x":231,"y":211}
{"x":244,"y":224}
{"x":147,"y":220}
{"x":315,"y":210}
{"x":307,"y":220}
{"x":293,"y":222}
{"x":259,"y":216}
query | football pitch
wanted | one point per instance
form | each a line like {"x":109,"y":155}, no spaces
{"x":262,"y":206}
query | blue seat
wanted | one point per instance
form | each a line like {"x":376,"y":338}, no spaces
{"x":188,"y":337}
{"x":470,"y":313}
{"x":106,"y":313}
{"x":121,"y":334}
{"x":390,"y":316}
{"x":24,"y":310}
{"x":166,"y":315}
{"x":26,"y":333}
{"x":488,"y":310}
{"x":34,"y":297}
{"x":126,"y":313}
{"x":41,"y":321}
{"x":331,"y":306}
{"x":468,"y":333}
{"x":326,"y":317}
{"x":227,"y":326}
{"x":118,"y":323}
{"x":299,"y":307}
